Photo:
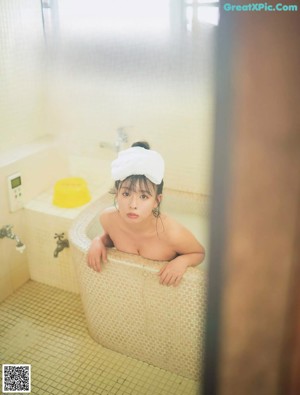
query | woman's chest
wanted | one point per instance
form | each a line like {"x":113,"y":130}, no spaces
{"x":148,"y":246}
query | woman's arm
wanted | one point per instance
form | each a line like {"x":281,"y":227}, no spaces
{"x":190,"y":253}
{"x":97,"y":253}
{"x":172,"y":272}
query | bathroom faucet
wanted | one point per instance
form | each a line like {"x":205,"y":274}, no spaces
{"x":61,"y":244}
{"x":6,"y":231}
{"x":121,"y":138}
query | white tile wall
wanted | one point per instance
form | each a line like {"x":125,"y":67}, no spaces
{"x":22,"y":99}
{"x":85,"y":87}
{"x":82,"y":90}
{"x":42,"y":221}
{"x":43,"y":266}
{"x":161,"y":89}
{"x":41,"y":164}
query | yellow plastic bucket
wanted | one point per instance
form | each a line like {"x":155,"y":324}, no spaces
{"x":71,"y":192}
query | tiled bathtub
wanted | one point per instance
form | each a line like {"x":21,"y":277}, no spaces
{"x":126,"y":308}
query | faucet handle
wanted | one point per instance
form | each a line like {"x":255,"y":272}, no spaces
{"x":7,"y":230}
{"x":59,"y":236}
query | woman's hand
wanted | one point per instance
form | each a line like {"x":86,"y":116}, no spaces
{"x":97,"y":254}
{"x":172,"y":272}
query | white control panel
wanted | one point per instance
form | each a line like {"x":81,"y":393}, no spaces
{"x":15,"y":191}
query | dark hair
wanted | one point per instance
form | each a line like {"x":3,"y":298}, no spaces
{"x":141,"y":180}
{"x":143,"y":144}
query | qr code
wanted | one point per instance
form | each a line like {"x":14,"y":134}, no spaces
{"x":16,"y":378}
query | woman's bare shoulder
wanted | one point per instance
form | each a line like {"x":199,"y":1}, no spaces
{"x":107,"y":214}
{"x":169,"y":226}
{"x":178,"y":235}
{"x":170,"y":221}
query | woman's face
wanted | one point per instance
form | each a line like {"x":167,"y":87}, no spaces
{"x":136,"y":202}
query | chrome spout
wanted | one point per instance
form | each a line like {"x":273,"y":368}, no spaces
{"x":6,"y":231}
{"x":121,"y":138}
{"x":61,"y":244}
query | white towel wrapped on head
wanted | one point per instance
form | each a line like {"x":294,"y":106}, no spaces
{"x":138,"y":161}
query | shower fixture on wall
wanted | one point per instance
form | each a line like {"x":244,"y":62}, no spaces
{"x":6,"y":231}
{"x":50,"y":19}
{"x":121,"y":139}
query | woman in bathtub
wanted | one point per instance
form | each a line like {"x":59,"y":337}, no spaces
{"x":135,"y":225}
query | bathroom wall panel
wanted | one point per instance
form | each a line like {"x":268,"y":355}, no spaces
{"x":43,"y":266}
{"x":41,"y":163}
{"x":157,"y":85}
{"x":22,"y":95}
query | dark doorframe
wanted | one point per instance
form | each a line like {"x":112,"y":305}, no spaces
{"x":252,"y":314}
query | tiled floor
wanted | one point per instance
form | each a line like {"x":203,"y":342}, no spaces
{"x":45,"y":327}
